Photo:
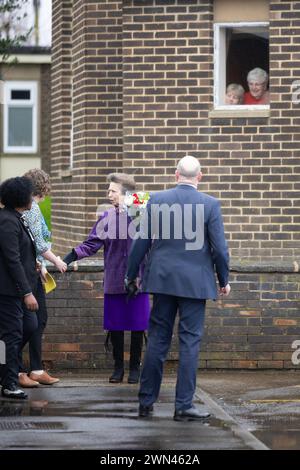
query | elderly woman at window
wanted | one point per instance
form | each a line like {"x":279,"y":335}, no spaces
{"x":258,"y":82}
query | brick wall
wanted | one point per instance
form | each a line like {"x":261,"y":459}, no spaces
{"x":168,"y":83}
{"x":143,"y":92}
{"x":142,"y":98}
{"x":87,"y":65}
{"x":74,"y":337}
{"x":254,"y":328}
{"x":251,"y":164}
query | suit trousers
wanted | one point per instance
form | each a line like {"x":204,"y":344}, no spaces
{"x":190,"y":332}
{"x":35,"y":342}
{"x":34,"y":324}
{"x":11,"y":333}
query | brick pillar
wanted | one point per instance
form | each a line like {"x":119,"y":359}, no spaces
{"x":61,"y":114}
{"x":97,"y":118}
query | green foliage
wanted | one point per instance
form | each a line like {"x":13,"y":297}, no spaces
{"x":12,"y":33}
{"x":45,"y":207}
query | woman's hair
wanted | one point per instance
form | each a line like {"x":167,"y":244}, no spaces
{"x":236,"y":88}
{"x":257,"y":74}
{"x":40,"y":180}
{"x":16,"y":192}
{"x":126,"y":181}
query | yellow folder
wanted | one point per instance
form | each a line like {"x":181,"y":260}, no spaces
{"x":50,"y":283}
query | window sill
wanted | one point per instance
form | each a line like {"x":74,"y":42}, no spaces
{"x":8,"y":153}
{"x":236,"y":113}
{"x":20,"y":150}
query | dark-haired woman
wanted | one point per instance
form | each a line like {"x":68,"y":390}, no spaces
{"x":111,"y":233}
{"x":18,"y":277}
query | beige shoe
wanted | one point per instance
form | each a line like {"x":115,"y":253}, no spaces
{"x":44,"y":378}
{"x":26,"y":382}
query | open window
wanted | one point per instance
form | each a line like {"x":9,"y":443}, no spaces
{"x":239,"y":48}
{"x":20,"y":117}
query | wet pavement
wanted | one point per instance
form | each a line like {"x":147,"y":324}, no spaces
{"x":265,"y":403}
{"x":91,"y":414}
{"x":251,"y":410}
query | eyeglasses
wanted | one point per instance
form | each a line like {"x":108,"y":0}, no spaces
{"x":261,"y":84}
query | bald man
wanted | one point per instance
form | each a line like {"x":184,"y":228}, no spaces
{"x":183,"y":234}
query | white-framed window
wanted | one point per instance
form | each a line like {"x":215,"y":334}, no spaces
{"x":20,"y":117}
{"x":239,"y":47}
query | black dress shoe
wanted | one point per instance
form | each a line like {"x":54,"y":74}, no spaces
{"x":117,"y":376}
{"x":192,"y":414}
{"x":12,"y":391}
{"x":145,"y":411}
{"x":134,"y":376}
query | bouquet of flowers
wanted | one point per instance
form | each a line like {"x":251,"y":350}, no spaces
{"x":136,"y":203}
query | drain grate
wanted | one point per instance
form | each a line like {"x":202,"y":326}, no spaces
{"x":23,"y":426}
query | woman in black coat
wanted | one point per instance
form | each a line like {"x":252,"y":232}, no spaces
{"x":18,"y":277}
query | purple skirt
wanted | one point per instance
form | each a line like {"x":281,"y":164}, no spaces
{"x":131,"y":316}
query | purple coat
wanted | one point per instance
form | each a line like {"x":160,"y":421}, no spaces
{"x":116,"y":245}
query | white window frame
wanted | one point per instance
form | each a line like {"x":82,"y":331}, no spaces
{"x":220,"y":55}
{"x":72,"y":128}
{"x":32,"y":103}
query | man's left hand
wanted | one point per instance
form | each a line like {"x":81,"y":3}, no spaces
{"x":131,"y":287}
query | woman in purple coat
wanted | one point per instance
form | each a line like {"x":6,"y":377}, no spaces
{"x":120,"y":314}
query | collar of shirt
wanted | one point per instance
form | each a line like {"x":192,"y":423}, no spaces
{"x":188,"y":184}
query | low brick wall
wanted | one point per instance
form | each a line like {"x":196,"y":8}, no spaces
{"x":254,"y":328}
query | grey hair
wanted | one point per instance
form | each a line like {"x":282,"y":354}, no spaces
{"x":235,"y":87}
{"x":189,"y":167}
{"x":257,"y":74}
{"x":126,"y":181}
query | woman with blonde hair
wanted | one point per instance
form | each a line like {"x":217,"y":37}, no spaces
{"x":35,"y":220}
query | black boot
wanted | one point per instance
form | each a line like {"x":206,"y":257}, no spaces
{"x":136,"y":347}
{"x":117,"y":341}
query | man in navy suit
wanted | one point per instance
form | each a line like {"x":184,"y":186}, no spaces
{"x":180,"y":273}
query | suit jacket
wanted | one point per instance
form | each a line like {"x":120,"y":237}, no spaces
{"x":173,"y":269}
{"x":18,"y":274}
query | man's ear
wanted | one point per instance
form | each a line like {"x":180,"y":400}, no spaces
{"x":177,"y":175}
{"x":199,"y":177}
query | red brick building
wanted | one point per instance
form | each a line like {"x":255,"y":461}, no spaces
{"x":136,"y":85}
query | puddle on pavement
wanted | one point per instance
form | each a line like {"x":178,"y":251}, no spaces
{"x":276,"y":439}
{"x":92,"y":409}
{"x":274,"y":421}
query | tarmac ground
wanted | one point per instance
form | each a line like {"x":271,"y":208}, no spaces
{"x":256,"y":410}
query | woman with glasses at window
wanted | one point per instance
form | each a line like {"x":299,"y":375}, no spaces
{"x":258,"y":83}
